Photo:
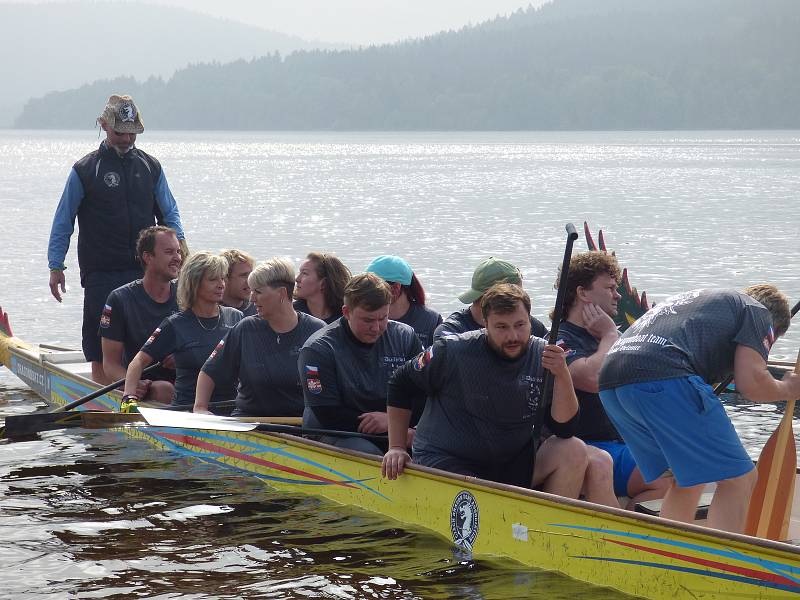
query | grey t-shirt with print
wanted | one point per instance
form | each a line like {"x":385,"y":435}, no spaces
{"x":694,"y":333}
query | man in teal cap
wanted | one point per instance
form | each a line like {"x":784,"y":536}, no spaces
{"x":408,"y":297}
{"x":487,"y":273}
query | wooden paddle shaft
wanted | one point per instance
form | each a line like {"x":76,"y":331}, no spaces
{"x":771,"y":504}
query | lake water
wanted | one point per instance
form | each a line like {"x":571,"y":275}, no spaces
{"x":95,"y":515}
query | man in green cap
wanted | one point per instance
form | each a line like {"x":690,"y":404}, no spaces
{"x":486,"y":274}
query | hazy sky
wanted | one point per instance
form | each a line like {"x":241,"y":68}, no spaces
{"x":353,"y":21}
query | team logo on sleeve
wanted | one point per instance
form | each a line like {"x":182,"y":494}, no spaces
{"x":769,"y":339}
{"x":217,"y":348}
{"x":105,"y":318}
{"x":153,"y":337}
{"x":313,"y":382}
{"x":423,"y":360}
{"x":567,"y":351}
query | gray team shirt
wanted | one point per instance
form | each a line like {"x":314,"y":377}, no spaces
{"x":131,"y":315}
{"x":423,"y":321}
{"x":694,"y":333}
{"x":266,"y":363}
{"x":338,"y":370}
{"x":190,"y":339}
{"x":462,"y":321}
{"x":480,"y":406}
{"x":247,"y":308}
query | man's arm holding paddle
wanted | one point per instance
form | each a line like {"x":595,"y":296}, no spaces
{"x":756,"y":383}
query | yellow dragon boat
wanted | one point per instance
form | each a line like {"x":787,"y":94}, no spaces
{"x":638,"y":554}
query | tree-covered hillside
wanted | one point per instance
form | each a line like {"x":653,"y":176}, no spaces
{"x":571,"y":64}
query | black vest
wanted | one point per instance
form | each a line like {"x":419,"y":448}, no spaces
{"x":119,"y":201}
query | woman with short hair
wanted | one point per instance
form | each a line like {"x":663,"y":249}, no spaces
{"x":319,"y":289}
{"x":191,"y":334}
{"x":262,"y":350}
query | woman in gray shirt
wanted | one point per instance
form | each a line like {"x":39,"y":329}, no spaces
{"x":262,"y":350}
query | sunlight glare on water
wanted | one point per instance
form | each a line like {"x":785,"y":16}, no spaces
{"x":91,"y":514}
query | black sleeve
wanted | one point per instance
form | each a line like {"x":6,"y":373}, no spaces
{"x":563,"y":430}
{"x":225,"y":359}
{"x":417,"y":378}
{"x":162,"y":341}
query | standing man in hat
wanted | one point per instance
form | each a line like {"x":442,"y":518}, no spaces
{"x":115,"y":192}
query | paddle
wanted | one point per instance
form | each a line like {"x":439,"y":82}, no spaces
{"x":771,"y":503}
{"x":721,"y":387}
{"x":17,"y":426}
{"x":558,"y":312}
{"x":163,"y":418}
{"x":97,"y":393}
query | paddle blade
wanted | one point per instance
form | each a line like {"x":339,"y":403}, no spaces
{"x":168,"y":418}
{"x":771,"y":503}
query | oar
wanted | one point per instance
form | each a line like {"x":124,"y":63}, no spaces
{"x":164,"y":418}
{"x":103,"y":390}
{"x":771,"y":503}
{"x":17,"y":426}
{"x":722,"y":386}
{"x":547,"y":393}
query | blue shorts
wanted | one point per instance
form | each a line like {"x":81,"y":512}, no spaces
{"x":96,"y":288}
{"x":623,"y":463}
{"x":677,"y":424}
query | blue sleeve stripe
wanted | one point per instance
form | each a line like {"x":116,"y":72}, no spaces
{"x":168,"y":206}
{"x":64,"y":221}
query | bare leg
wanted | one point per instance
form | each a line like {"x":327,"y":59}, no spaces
{"x":560,"y":466}
{"x":640,"y":491}
{"x":160,"y":391}
{"x":680,"y":503}
{"x":98,"y":375}
{"x":598,"y":486}
{"x":728,"y":509}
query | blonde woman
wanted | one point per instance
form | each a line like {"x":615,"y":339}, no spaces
{"x":319,"y":289}
{"x":262,"y":350}
{"x":191,"y":334}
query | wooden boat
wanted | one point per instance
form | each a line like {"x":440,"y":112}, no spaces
{"x":641,"y":555}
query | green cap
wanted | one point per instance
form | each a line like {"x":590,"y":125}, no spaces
{"x":487,"y":273}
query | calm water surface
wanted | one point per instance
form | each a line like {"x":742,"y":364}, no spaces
{"x":92,"y":514}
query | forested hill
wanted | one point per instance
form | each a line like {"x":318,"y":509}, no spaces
{"x":571,"y":64}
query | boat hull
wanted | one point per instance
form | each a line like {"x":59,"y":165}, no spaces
{"x":637,"y":554}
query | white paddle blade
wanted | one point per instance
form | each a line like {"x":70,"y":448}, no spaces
{"x":173,"y":418}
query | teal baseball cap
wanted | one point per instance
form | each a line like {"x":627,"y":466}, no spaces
{"x":392,"y":269}
{"x":487,"y":273}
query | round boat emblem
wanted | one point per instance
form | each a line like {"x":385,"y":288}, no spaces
{"x":464,"y":520}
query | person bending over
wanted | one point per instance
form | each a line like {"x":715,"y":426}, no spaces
{"x":655,"y":385}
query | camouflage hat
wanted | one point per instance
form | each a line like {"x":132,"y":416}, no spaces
{"x":122,"y":115}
